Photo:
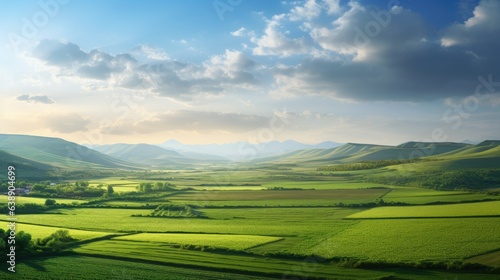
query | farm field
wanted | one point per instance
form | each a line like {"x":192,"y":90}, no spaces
{"x":317,"y":229}
{"x":413,"y":195}
{"x":20,"y":200}
{"x":478,"y":209}
{"x":44,"y":231}
{"x":411,"y":240}
{"x":235,"y":242}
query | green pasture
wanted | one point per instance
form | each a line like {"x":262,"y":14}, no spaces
{"x":39,"y":200}
{"x":85,"y":267}
{"x":37,"y":231}
{"x":235,"y":242}
{"x":334,"y":195}
{"x":412,"y":195}
{"x":490,"y":208}
{"x":413,"y":240}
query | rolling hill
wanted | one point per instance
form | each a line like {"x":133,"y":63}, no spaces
{"x":25,"y":168}
{"x":354,"y":152}
{"x":58,"y":152}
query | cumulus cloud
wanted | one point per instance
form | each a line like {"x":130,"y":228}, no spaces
{"x":35,"y":98}
{"x":159,"y":74}
{"x":197,"y":121}
{"x":66,"y":123}
{"x":275,"y":42}
{"x":350,"y":51}
{"x":377,"y":54}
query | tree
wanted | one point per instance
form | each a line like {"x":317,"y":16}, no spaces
{"x":50,"y":202}
{"x":110,"y":190}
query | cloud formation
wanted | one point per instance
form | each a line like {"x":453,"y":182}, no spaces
{"x":35,"y":98}
{"x":369,"y":53}
{"x":346,"y":51}
{"x":159,"y":74}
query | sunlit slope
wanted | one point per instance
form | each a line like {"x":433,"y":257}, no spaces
{"x":483,"y":155}
{"x":353,"y":152}
{"x":26,"y":168}
{"x":57,"y":152}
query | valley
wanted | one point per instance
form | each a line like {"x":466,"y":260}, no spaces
{"x":352,"y":212}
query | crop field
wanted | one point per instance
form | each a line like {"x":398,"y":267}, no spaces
{"x":251,"y":232}
{"x":478,"y":209}
{"x":410,"y":240}
{"x":235,"y":242}
{"x":334,"y":195}
{"x":85,"y":267}
{"x":40,"y":200}
{"x":421,"y":196}
{"x":491,"y":259}
{"x":44,"y":231}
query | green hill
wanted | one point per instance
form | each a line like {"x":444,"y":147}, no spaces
{"x":353,"y":152}
{"x":483,"y":155}
{"x":25,"y":168}
{"x":58,"y":152}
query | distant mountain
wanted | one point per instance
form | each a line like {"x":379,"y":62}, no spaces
{"x":146,"y":154}
{"x":58,"y":152}
{"x":354,"y":152}
{"x":244,"y":150}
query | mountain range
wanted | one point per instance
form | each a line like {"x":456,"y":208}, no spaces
{"x":37,"y":156}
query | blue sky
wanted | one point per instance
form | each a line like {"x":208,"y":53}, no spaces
{"x":383,"y":71}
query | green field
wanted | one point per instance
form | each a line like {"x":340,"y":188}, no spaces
{"x":235,"y":242}
{"x":478,"y":209}
{"x":40,"y":200}
{"x":44,"y":231}
{"x":411,"y":240}
{"x":311,"y":226}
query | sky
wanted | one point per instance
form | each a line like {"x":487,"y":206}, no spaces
{"x":222,"y":71}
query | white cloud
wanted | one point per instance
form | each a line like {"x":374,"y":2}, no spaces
{"x":274,"y":41}
{"x":333,"y":6}
{"x":180,"y":80}
{"x":309,"y":11}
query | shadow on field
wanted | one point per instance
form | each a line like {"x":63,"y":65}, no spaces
{"x":35,"y":265}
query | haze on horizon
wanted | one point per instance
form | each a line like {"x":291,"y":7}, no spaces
{"x":381,"y":72}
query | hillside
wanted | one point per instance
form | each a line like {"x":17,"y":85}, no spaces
{"x":25,"y":168}
{"x":354,"y":152}
{"x":58,"y":152}
{"x":483,"y":155}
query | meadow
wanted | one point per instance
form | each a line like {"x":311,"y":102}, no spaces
{"x":478,"y":209}
{"x":269,"y":224}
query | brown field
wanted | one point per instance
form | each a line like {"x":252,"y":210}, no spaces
{"x":355,"y":194}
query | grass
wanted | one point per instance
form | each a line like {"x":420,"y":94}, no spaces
{"x":412,"y":240}
{"x":490,"y":259}
{"x":307,"y":268}
{"x":39,"y":200}
{"x":84,"y":267}
{"x":490,"y":208}
{"x":281,"y":222}
{"x":44,"y":231}
{"x":414,"y":195}
{"x":345,"y":195}
{"x":234,"y":242}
